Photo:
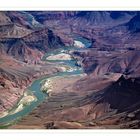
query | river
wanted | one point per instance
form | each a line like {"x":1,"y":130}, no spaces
{"x":35,"y":86}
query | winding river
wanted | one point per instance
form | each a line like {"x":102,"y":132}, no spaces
{"x":36,"y":85}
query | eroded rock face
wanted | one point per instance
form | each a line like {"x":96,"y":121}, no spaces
{"x":31,"y":47}
{"x":102,"y":62}
{"x":134,"y":24}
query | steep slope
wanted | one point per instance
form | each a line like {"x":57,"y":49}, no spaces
{"x":44,"y":39}
{"x":13,"y":31}
{"x":103,"y":62}
{"x":4,"y":20}
{"x":87,"y":17}
{"x":24,"y":19}
{"x":134,"y":24}
{"x":42,"y":16}
{"x":100,"y":18}
{"x":32,"y":46}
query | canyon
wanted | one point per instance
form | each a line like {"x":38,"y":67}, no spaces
{"x":69,"y":69}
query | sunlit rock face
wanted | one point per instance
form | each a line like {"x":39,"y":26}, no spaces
{"x":61,"y":56}
{"x":78,"y":44}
